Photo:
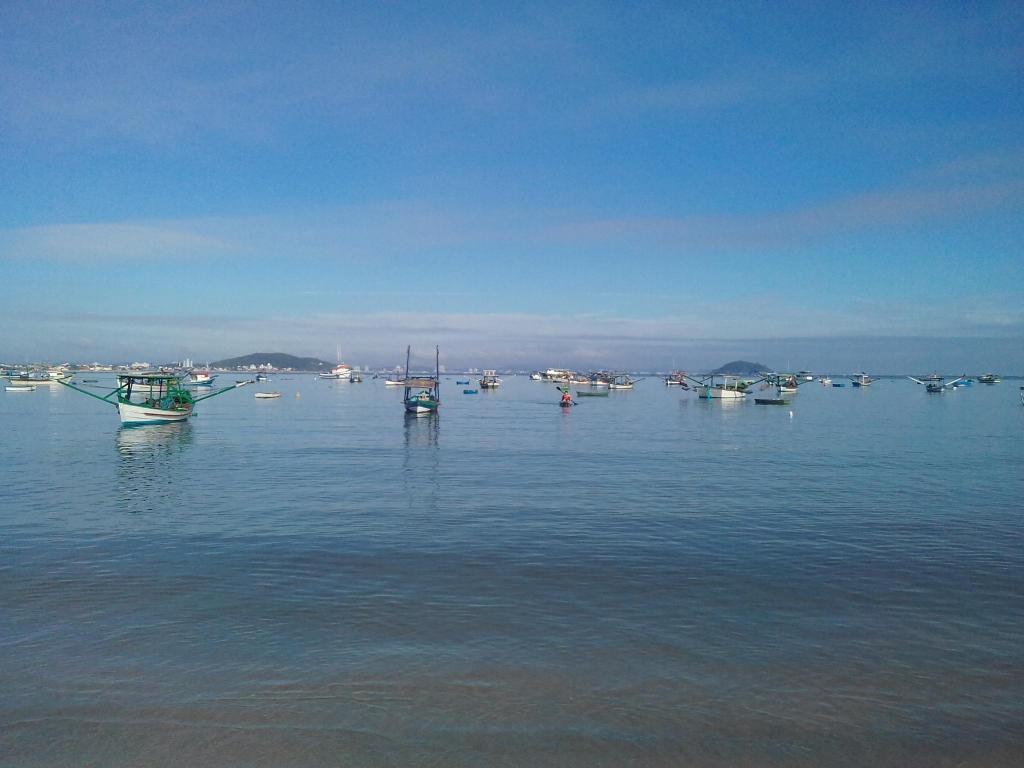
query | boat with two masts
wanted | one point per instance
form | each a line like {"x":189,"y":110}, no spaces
{"x":428,"y":399}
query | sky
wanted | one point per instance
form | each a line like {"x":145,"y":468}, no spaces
{"x":824,"y":186}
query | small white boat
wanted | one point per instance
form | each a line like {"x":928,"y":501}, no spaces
{"x":20,"y":388}
{"x":825,"y":381}
{"x":267,"y":395}
{"x":200,"y":379}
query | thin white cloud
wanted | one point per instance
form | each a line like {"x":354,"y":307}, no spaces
{"x":110,"y":242}
{"x":409,"y":228}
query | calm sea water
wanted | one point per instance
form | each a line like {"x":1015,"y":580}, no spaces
{"x":645,"y":580}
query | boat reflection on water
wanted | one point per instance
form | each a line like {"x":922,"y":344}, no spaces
{"x":149,"y":464}
{"x":422,"y":430}
{"x":153,"y":440}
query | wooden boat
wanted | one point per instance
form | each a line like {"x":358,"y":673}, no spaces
{"x":838,"y":384}
{"x":599,"y":393}
{"x":267,"y":395}
{"x":152,"y":397}
{"x":428,"y":399}
{"x":20,"y":388}
{"x":470,"y":391}
{"x":462,"y":381}
{"x":771,"y":401}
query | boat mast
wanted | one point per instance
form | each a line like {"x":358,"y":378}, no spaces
{"x":408,"y":349}
{"x":437,"y":372}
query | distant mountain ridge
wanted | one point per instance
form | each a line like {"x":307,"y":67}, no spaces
{"x":275,"y":360}
{"x":742,"y":368}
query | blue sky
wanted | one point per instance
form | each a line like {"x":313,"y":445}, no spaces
{"x":628,"y":184}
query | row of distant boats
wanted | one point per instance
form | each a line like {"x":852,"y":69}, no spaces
{"x":160,"y":397}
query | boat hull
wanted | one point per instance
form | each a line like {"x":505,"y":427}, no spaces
{"x":138,"y":413}
{"x":420,"y":406}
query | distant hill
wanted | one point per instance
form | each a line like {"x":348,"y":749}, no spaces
{"x":275,"y":359}
{"x":742,"y":368}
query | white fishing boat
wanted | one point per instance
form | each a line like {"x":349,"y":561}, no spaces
{"x":861,"y":380}
{"x":490,"y":380}
{"x":676,"y":379}
{"x":536,"y":376}
{"x":201,"y":378}
{"x":340,"y":371}
{"x":38,"y":378}
{"x":267,"y":395}
{"x":825,"y":381}
{"x":721,"y":388}
{"x":621,"y":381}
{"x":152,"y":397}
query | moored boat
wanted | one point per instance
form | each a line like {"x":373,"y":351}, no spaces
{"x":722,"y":388}
{"x":428,"y":398}
{"x":989,"y":378}
{"x":267,"y":395}
{"x":201,"y":378}
{"x":151,"y":397}
{"x":490,"y":380}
